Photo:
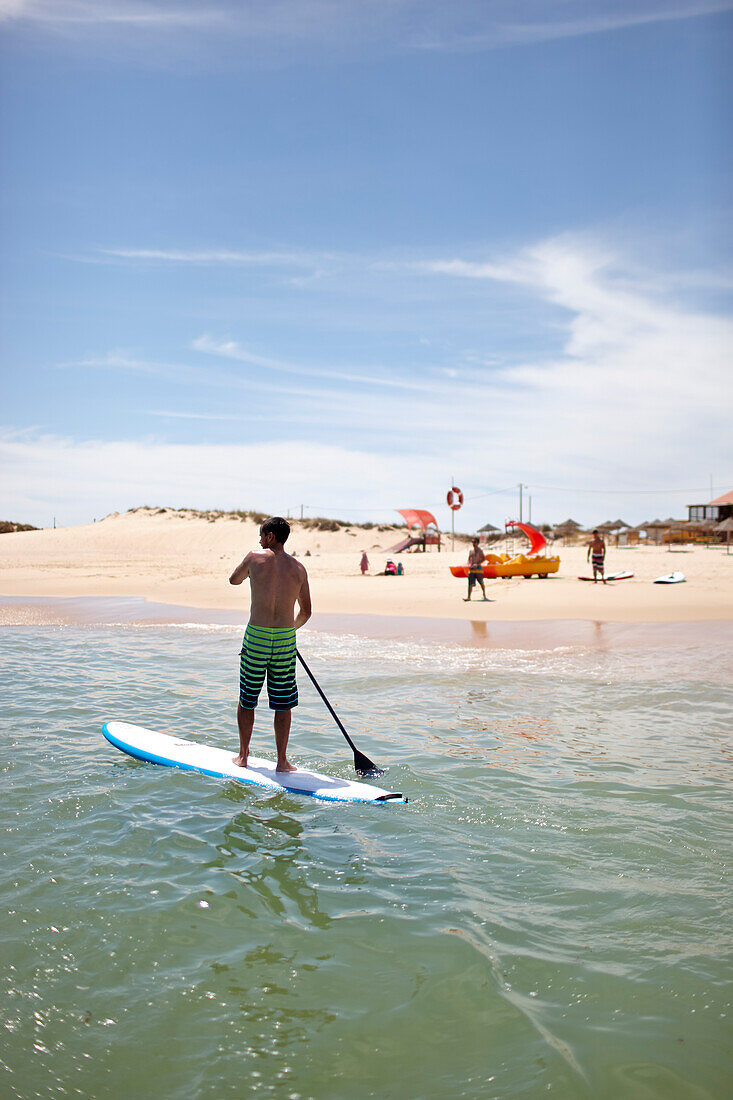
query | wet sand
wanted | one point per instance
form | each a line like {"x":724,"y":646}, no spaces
{"x":525,"y":635}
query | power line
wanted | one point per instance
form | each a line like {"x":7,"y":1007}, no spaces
{"x":513,"y":489}
{"x":625,"y":492}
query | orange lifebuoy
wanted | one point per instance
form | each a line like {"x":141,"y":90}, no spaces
{"x":454,"y":498}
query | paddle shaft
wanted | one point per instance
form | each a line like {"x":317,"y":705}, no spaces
{"x":362,"y":763}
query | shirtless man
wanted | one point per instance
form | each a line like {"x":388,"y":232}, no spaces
{"x":476,"y":559}
{"x":277,"y":582}
{"x":597,"y":553}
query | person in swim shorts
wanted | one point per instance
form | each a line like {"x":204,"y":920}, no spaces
{"x":277,"y":581}
{"x":597,"y":555}
{"x":475,"y":569}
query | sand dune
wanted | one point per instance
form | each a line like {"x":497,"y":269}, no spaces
{"x":182,"y":558}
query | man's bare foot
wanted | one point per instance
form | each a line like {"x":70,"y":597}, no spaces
{"x":240,"y":761}
{"x":285,"y":766}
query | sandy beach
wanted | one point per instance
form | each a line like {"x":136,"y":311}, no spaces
{"x":177,"y":557}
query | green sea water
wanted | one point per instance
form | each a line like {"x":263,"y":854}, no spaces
{"x":550,"y":914}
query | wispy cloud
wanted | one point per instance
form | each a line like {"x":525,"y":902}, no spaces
{"x":343,"y":25}
{"x":231,"y":349}
{"x":643,"y":373}
{"x":197,"y":376}
{"x":636,"y":395}
{"x":110,"y":13}
{"x":47,"y":470}
{"x":215,"y":257}
{"x":121,"y":360}
{"x":170,"y":415}
{"x":546,"y":23}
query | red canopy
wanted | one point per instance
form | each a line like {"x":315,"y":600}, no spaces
{"x":415,"y":517}
{"x":537,"y":540}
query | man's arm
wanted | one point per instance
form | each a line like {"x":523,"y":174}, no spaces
{"x":242,"y":571}
{"x":304,"y":604}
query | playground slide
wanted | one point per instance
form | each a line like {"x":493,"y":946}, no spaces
{"x":405,"y":545}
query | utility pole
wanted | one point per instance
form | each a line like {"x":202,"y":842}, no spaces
{"x":529,"y":517}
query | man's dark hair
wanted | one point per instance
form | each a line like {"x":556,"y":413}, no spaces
{"x":277,"y":526}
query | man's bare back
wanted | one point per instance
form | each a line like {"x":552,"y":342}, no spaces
{"x":277,"y":582}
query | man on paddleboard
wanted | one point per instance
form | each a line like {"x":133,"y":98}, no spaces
{"x":277,"y":581}
{"x":475,"y":569}
{"x":597,"y":554}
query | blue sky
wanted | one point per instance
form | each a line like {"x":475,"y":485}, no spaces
{"x":344,"y":253}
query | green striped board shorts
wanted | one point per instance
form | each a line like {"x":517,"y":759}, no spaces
{"x":268,"y":651}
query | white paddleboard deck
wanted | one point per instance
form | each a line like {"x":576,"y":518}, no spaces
{"x":671,"y":578}
{"x":176,"y":752}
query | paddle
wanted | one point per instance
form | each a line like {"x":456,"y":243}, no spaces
{"x":362,"y":764}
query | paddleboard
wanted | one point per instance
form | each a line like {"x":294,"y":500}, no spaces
{"x":671,"y":578}
{"x":176,"y":752}
{"x":611,"y":577}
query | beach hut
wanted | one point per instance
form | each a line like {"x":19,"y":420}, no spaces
{"x":716,"y":510}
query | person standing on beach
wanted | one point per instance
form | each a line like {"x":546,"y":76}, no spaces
{"x":476,"y":559}
{"x":597,"y":553}
{"x":364,"y":563}
{"x":277,"y":583}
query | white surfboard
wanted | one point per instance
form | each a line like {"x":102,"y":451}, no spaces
{"x":671,"y":578}
{"x":176,"y":752}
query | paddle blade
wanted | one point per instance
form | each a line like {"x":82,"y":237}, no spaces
{"x":364,"y":766}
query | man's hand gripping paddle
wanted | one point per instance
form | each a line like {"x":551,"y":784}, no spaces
{"x":362,"y":764}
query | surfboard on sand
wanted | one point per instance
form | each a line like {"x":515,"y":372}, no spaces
{"x":611,"y":577}
{"x":176,"y":752}
{"x":671,"y":578}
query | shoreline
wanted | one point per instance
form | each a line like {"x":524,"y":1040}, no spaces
{"x":528,"y":634}
{"x":176,"y":560}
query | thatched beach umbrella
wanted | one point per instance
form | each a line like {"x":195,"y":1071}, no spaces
{"x":570,"y":525}
{"x":654,"y":527}
{"x":567,"y":529}
{"x":726,"y":526}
